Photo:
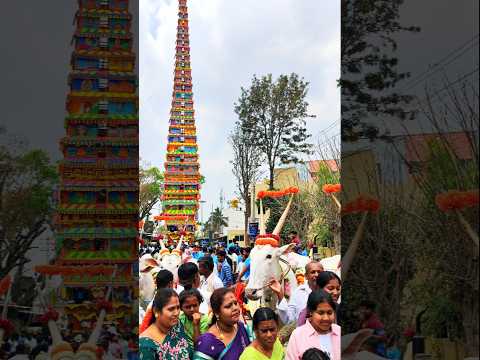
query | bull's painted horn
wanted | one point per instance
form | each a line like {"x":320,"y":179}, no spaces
{"x":281,"y":222}
{"x":53,"y":328}
{"x":179,"y":245}
{"x":95,"y":335}
{"x":262,"y":219}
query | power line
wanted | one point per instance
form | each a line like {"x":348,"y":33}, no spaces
{"x":328,"y":140}
{"x":449,"y":85}
{"x":437,"y":64}
{"x":440,"y":68}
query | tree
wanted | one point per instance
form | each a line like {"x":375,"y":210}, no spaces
{"x":246,"y":162}
{"x":151,"y":189}
{"x":216,"y":221}
{"x":274,"y":114}
{"x":368,"y":67}
{"x":27,"y":183}
{"x":447,"y":258}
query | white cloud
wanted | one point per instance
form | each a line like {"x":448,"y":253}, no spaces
{"x":231,"y":41}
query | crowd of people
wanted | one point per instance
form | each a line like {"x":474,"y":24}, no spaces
{"x":204,"y":318}
{"x":37,"y":345}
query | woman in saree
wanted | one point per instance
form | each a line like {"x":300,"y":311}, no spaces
{"x":165,"y":338}
{"x":227,"y":337}
{"x":266,"y":345}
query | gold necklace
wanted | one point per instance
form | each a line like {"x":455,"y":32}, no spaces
{"x":221,"y":336}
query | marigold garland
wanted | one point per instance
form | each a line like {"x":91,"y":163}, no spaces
{"x":331,"y":188}
{"x":457,"y":200}
{"x":268,"y":239}
{"x":362,"y":204}
{"x":172,"y":217}
{"x":277,"y":194}
{"x":74,"y":270}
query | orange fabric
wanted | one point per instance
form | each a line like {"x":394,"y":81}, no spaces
{"x":147,"y":320}
{"x":239,"y":291}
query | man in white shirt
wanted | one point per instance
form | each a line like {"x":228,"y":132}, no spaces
{"x":290,"y":311}
{"x":209,"y":281}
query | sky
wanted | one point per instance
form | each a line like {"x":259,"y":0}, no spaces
{"x":229,"y":44}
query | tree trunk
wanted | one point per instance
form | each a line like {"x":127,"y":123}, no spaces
{"x":245,"y":236}
{"x":247,"y":214}
{"x":271,"y":178}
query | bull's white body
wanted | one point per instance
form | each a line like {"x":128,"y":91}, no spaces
{"x":266,"y":264}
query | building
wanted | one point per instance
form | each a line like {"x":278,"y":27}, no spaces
{"x":181,"y":197}
{"x":98,"y":209}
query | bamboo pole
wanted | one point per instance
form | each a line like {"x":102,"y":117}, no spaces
{"x":335,"y":200}
{"x":468,"y":228}
{"x":352,"y":249}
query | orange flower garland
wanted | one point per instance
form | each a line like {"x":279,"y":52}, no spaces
{"x":277,"y":194}
{"x":74,"y":270}
{"x":457,"y":200}
{"x":267,"y":241}
{"x":361,"y":204}
{"x":171,"y":217}
{"x":331,"y":188}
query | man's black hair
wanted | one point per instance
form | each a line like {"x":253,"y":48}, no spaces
{"x":208,"y":261}
{"x":164,"y":277}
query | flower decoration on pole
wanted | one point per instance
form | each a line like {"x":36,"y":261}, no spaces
{"x":331,"y":190}
{"x":456,"y":201}
{"x":365,"y":205}
{"x":277,"y":194}
{"x":273,"y":239}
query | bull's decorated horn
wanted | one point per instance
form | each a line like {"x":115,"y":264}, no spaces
{"x":262,"y":219}
{"x":273,"y":239}
{"x":281,"y":222}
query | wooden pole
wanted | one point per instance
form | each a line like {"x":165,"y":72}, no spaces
{"x":352,"y":248}
{"x":468,"y":228}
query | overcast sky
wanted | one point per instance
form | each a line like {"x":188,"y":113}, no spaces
{"x":230,"y":42}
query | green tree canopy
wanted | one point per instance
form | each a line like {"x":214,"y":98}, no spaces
{"x":216,"y":221}
{"x":369,"y":66}
{"x":275,"y":114}
{"x":151,"y":189}
{"x":27,"y":185}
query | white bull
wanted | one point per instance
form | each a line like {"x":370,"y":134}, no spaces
{"x":267,"y":262}
{"x":149,"y":267}
{"x":170,"y":260}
